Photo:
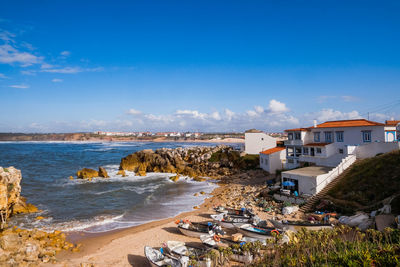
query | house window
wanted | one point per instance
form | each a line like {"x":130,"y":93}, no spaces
{"x":328,"y":137}
{"x":297,"y":136}
{"x":318,"y":150}
{"x":290,"y":152}
{"x":340,"y":150}
{"x":316,"y":137}
{"x":298,"y":151}
{"x":339,"y":136}
{"x":265,"y":161}
{"x":290,"y":136}
{"x":305,"y":150}
{"x":366,"y":136}
{"x":262,"y":139}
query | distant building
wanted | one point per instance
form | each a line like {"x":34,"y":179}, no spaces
{"x":256,"y":141}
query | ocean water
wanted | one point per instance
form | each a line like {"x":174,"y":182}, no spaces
{"x":100,"y":205}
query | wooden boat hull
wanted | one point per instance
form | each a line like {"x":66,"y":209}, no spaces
{"x":297,"y":227}
{"x":190,"y":232}
{"x":249,"y":230}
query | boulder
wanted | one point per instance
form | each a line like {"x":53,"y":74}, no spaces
{"x":122,"y":173}
{"x":103,"y":173}
{"x":87,"y":173}
{"x":174,"y":178}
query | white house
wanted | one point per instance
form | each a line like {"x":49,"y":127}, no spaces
{"x":392,"y":131}
{"x":329,"y":148}
{"x":256,"y":141}
{"x":273,"y":159}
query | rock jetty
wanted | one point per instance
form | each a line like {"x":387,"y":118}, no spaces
{"x":195,"y":162}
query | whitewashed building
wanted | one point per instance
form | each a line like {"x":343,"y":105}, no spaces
{"x":256,"y":141}
{"x":328,"y":149}
{"x":273,"y":159}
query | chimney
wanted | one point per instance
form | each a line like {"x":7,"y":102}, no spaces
{"x":315,"y":123}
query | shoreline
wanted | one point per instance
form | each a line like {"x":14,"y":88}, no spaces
{"x":211,"y":141}
{"x":93,"y":242}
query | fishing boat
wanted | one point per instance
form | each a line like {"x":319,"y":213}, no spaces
{"x":239,"y":212}
{"x":238,"y":255}
{"x":257,"y":232}
{"x":227,"y":221}
{"x":181,"y":249}
{"x":194,"y":229}
{"x":298,"y":225}
{"x":157,"y":259}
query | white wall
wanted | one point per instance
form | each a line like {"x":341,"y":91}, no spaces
{"x":370,"y":150}
{"x":273,"y":162}
{"x":257,"y":142}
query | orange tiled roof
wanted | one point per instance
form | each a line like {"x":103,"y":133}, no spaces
{"x":392,"y":123}
{"x":317,"y":144}
{"x":272,"y":150}
{"x":349,"y":123}
{"x":298,"y":130}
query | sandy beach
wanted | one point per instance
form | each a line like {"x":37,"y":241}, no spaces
{"x":125,"y":247}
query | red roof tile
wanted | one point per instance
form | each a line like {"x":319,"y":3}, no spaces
{"x":317,"y":144}
{"x":298,"y":130}
{"x":272,"y":150}
{"x":349,"y":123}
{"x":392,"y":123}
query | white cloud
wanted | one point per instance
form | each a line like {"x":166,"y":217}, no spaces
{"x":11,"y":55}
{"x":72,"y":70}
{"x":259,"y":109}
{"x":229,"y":114}
{"x":55,"y":80}
{"x":65,"y":53}
{"x":20,"y":86}
{"x":216,"y":116}
{"x":252,"y":113}
{"x":349,"y":98}
{"x":331,"y":115}
{"x":2,"y":76}
{"x":277,"y":107}
{"x":133,"y":112}
{"x":46,"y":66}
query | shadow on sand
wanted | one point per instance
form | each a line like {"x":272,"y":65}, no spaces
{"x":138,"y":261}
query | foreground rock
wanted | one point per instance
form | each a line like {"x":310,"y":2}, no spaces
{"x":89,"y":174}
{"x":193,"y":161}
{"x":10,"y":200}
{"x":19,"y":247}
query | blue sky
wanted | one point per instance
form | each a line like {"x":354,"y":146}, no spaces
{"x":68,"y":66}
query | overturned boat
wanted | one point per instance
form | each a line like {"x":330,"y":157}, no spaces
{"x":238,"y":212}
{"x":157,"y":259}
{"x":228,"y":221}
{"x":298,"y":225}
{"x":257,"y":232}
{"x":194,"y":229}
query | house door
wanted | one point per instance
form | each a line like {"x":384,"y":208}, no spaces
{"x":312,"y":152}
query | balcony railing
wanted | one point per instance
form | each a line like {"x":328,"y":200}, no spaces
{"x":294,"y":142}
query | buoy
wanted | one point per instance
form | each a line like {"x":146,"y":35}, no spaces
{"x":217,"y":238}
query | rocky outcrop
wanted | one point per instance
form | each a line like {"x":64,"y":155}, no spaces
{"x":10,"y":200}
{"x":87,"y":173}
{"x":103,"y":173}
{"x":194,"y":161}
{"x":20,"y":247}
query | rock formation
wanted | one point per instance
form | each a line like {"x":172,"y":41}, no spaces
{"x":103,"y":173}
{"x":88,"y":174}
{"x":195,"y":162}
{"x":10,"y":200}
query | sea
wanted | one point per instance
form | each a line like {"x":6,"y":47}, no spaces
{"x":102,"y":204}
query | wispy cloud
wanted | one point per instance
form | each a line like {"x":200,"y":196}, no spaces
{"x":345,"y":98}
{"x":19,"y":86}
{"x":11,"y":55}
{"x":2,"y":76}
{"x":65,"y":53}
{"x":57,"y":80}
{"x":133,"y":111}
{"x":72,"y":70}
{"x":28,"y":72}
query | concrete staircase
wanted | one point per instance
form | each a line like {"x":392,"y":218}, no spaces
{"x":314,"y":199}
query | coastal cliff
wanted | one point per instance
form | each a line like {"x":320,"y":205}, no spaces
{"x":10,"y":200}
{"x":195,"y":162}
{"x":20,"y":247}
